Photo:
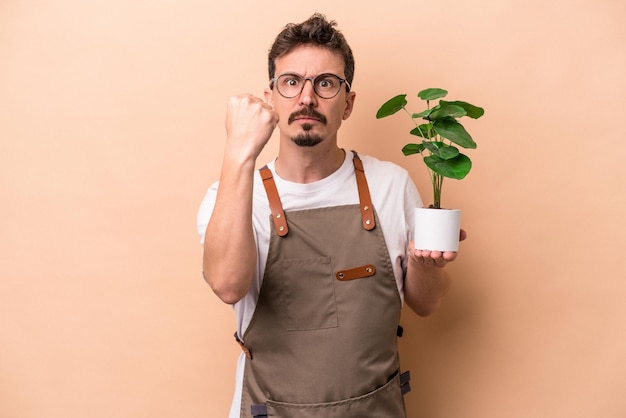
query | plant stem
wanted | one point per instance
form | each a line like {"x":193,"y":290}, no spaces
{"x":438,"y":184}
{"x":410,"y":115}
{"x":435,"y":179}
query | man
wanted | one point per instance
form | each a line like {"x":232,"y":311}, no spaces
{"x":314,"y":249}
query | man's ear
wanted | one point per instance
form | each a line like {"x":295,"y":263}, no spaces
{"x":269,"y":95}
{"x":350,"y":97}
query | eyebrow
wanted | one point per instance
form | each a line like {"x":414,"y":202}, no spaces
{"x":315,"y":76}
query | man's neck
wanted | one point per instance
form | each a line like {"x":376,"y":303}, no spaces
{"x":308,"y":164}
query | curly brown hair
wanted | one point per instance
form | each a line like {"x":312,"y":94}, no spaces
{"x":317,"y":31}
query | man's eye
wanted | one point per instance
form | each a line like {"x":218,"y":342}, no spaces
{"x":292,"y":82}
{"x":326,"y":83}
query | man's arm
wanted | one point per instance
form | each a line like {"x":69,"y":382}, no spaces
{"x":426,"y":281}
{"x":230,"y":250}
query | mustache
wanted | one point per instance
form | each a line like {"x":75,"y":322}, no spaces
{"x":307,"y":112}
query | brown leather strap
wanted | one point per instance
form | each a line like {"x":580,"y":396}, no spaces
{"x":243,"y":346}
{"x":356,"y":273}
{"x":367,"y":212}
{"x":278,"y":214}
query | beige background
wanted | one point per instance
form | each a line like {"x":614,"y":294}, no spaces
{"x":111,"y":129}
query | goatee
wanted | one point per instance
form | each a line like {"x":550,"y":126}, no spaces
{"x":306,"y":139}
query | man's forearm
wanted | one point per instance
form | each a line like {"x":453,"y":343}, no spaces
{"x":229,"y":245}
{"x":424,"y":287}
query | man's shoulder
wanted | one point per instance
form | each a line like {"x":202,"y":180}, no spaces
{"x":373,"y":165}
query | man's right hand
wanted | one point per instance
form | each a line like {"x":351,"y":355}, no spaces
{"x":250,"y":122}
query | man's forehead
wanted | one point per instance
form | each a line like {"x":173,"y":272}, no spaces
{"x":310,"y":59}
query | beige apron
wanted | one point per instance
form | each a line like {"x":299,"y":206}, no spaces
{"x":322,"y":341}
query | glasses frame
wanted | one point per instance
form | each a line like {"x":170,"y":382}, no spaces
{"x":273,"y":82}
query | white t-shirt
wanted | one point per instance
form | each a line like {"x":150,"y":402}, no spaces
{"x":394,"y":196}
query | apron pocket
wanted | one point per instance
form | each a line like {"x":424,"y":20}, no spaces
{"x":308,"y":289}
{"x":385,"y":401}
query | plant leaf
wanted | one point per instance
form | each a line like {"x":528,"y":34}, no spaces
{"x":446,"y":109}
{"x":454,"y":168}
{"x":441,"y":150}
{"x":409,"y":149}
{"x":423,"y":114}
{"x":450,"y":129}
{"x":432,"y":94}
{"x":391,"y":106}
{"x":424,"y":131}
{"x":448,"y":152}
{"x":473,"y":112}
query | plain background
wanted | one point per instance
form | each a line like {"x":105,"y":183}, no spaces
{"x":111,"y":130}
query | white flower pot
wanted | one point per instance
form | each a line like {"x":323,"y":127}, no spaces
{"x":437,"y":229}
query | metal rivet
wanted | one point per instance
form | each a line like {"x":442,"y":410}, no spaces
{"x":341,"y":275}
{"x":278,"y":216}
{"x":369,"y":269}
{"x":366,"y":208}
{"x":368,"y":222}
{"x":281,"y":229}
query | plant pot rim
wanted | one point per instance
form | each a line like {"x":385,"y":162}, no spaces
{"x":430,"y":207}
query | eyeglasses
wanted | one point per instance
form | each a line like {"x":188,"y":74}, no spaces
{"x":325,"y":86}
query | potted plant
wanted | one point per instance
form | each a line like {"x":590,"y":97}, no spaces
{"x":440,"y":134}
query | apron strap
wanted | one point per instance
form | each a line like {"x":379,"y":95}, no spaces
{"x":278,"y":214}
{"x":365,"y":200}
{"x":243,"y":346}
{"x":276,"y":206}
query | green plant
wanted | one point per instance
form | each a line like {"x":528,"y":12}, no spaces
{"x":440,"y":131}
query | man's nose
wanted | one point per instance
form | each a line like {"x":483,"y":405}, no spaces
{"x":308,"y":96}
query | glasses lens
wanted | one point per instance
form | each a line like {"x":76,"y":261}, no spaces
{"x":326,"y":86}
{"x":289,"y":85}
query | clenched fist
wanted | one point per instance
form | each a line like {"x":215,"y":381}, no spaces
{"x":249,"y":125}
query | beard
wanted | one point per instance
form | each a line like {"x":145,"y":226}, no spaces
{"x":306,"y":138}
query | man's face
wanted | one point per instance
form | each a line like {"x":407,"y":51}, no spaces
{"x":308,"y":119}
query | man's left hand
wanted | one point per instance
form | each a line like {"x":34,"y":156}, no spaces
{"x":435,"y":258}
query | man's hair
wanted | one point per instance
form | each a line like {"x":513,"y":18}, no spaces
{"x":316,"y":31}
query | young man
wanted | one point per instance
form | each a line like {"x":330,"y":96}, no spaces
{"x":314,"y":249}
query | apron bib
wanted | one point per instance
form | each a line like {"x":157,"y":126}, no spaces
{"x":322,"y":341}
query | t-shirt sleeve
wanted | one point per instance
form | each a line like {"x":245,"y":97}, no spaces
{"x":206,"y":210}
